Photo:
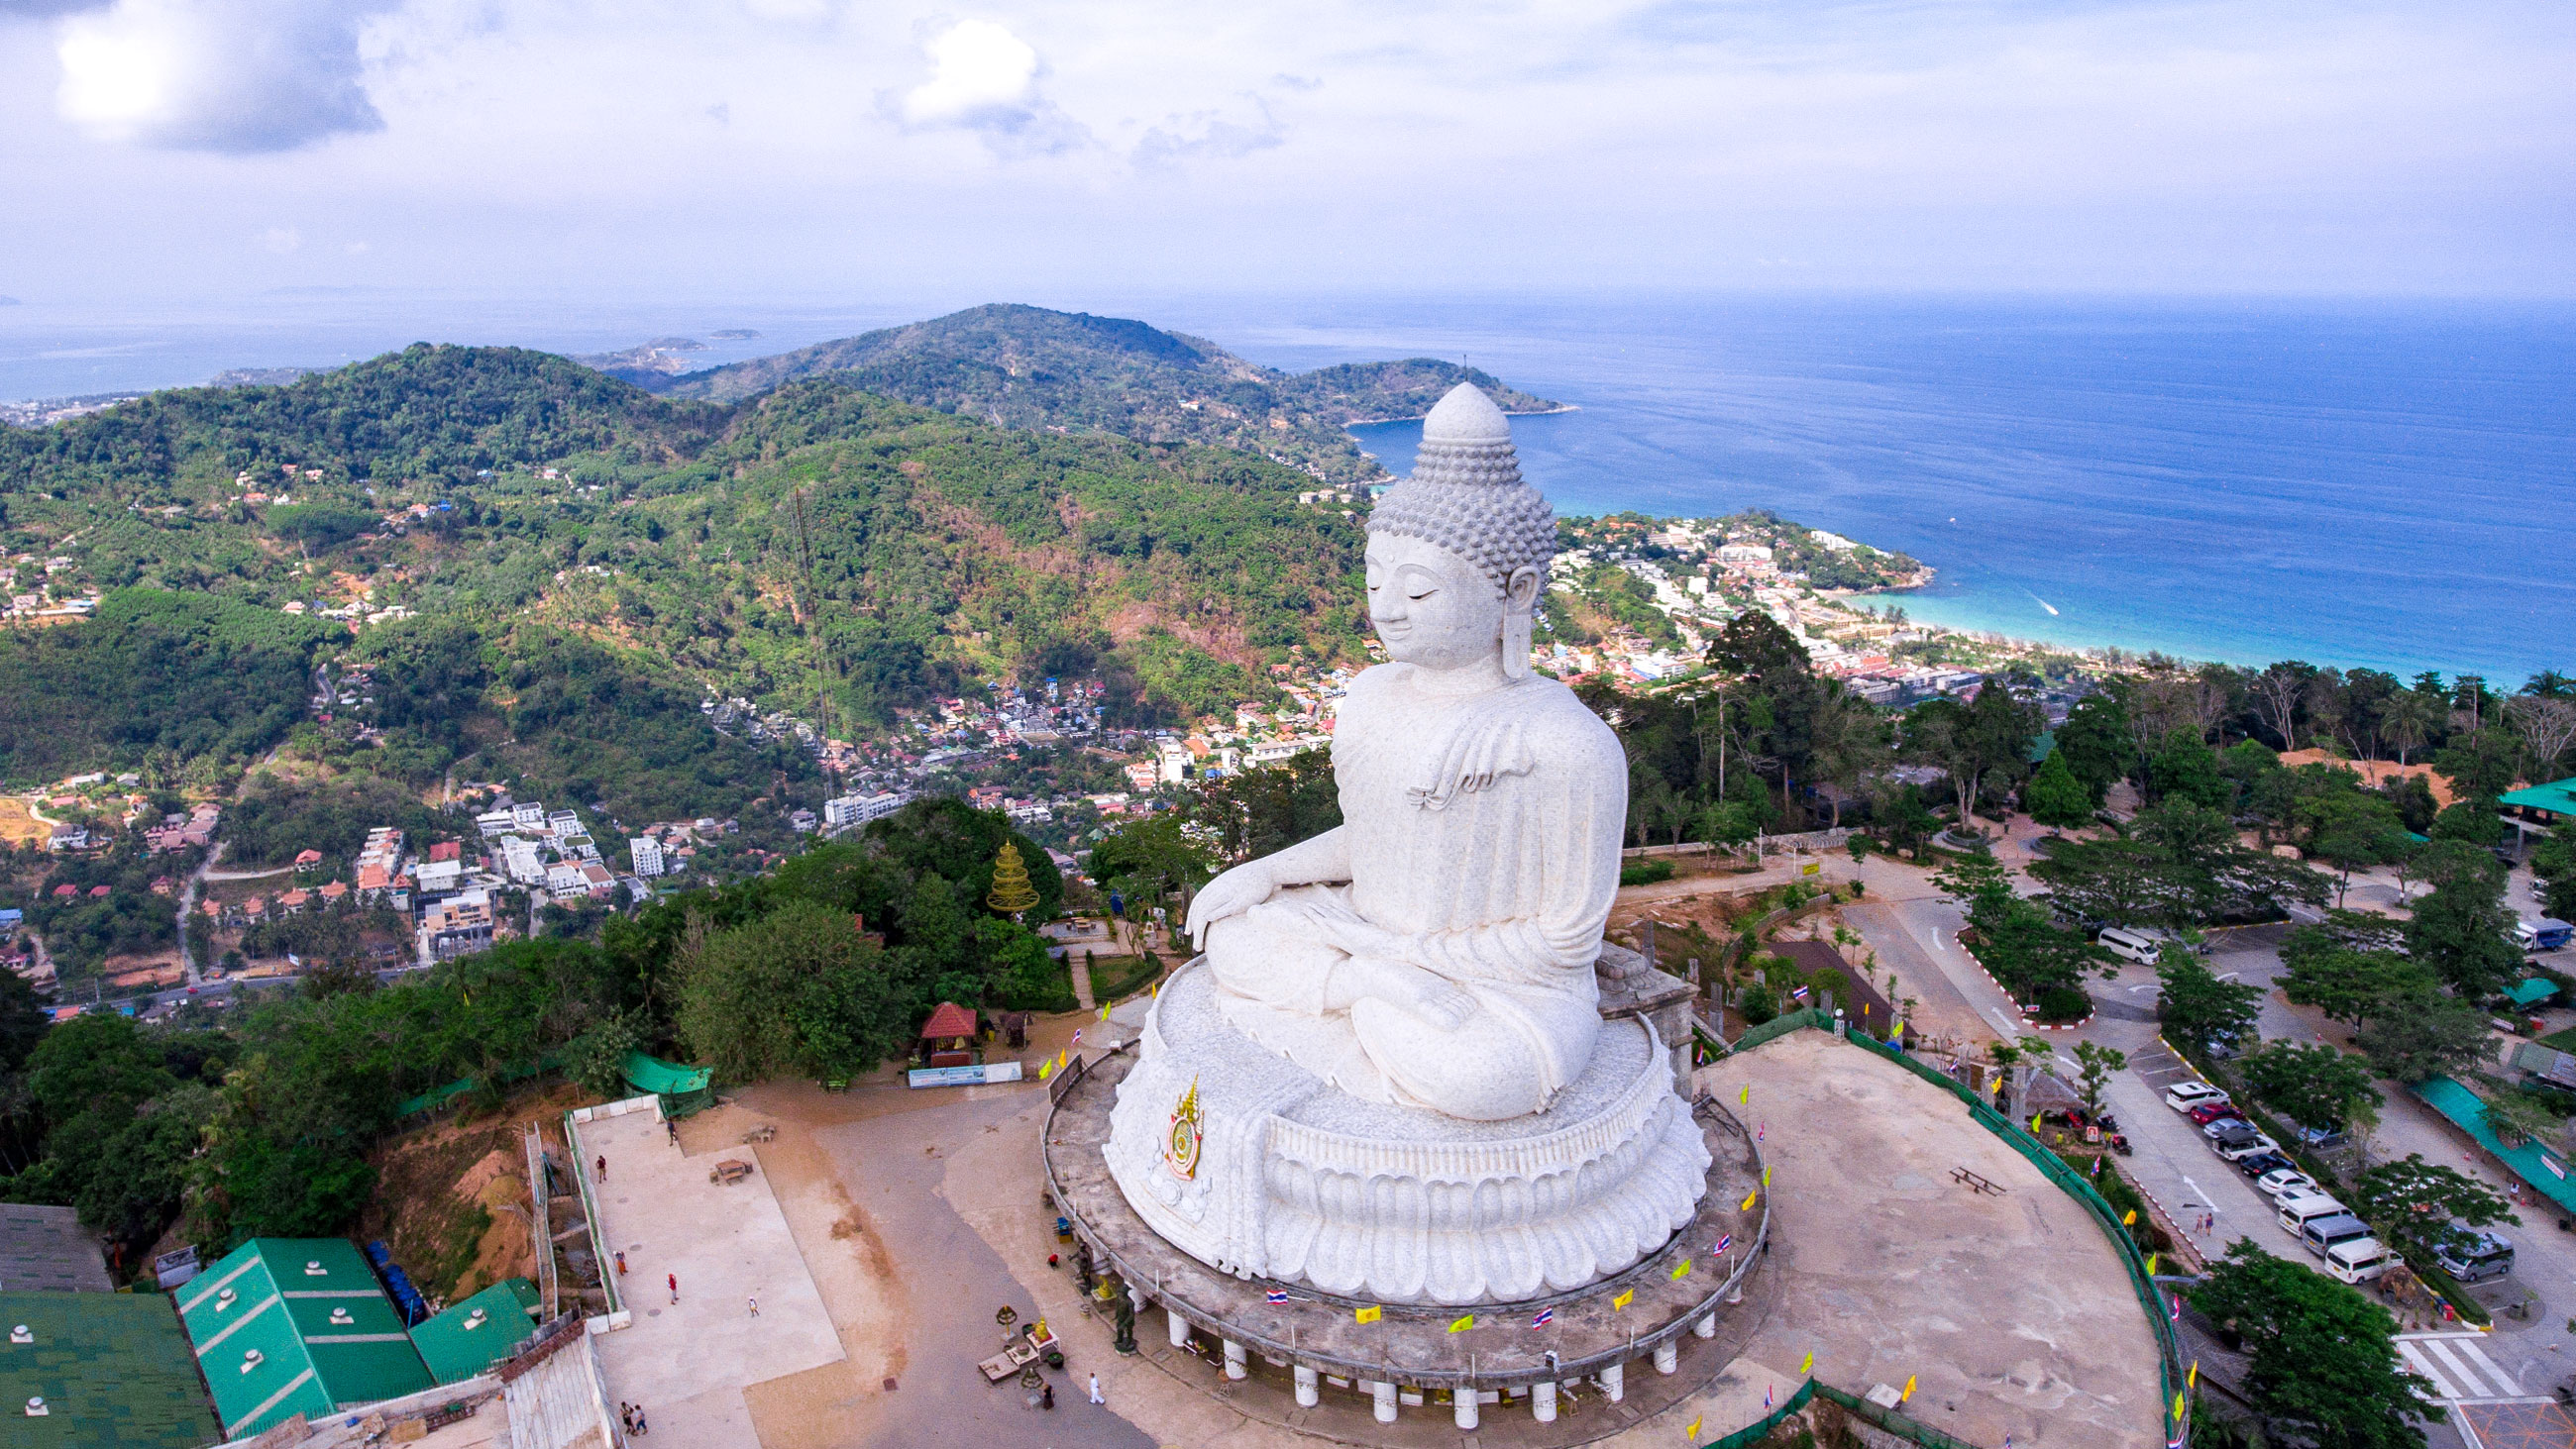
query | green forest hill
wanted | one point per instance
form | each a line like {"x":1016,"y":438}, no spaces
{"x":593,"y":560}
{"x":1027,"y":367}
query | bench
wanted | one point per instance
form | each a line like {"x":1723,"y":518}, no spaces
{"x":1975,"y":1183}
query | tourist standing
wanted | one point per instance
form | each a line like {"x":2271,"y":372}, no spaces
{"x":675,"y":1288}
{"x":755,"y":1304}
{"x":1095,"y":1390}
{"x":603,"y":1167}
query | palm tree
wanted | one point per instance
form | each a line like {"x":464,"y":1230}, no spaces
{"x":2408,"y":721}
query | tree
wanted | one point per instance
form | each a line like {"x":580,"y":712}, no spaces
{"x":2547,"y":724}
{"x":2419,"y":1037}
{"x":2470,"y":822}
{"x":2348,"y":983}
{"x":23,"y":1020}
{"x":2421,"y":1208}
{"x":2351,"y":830}
{"x":2197,"y":1008}
{"x":2094,"y":1066}
{"x":2318,"y":1087}
{"x":2186,"y":768}
{"x":2460,"y":928}
{"x":2323,"y":1366}
{"x":2480,"y":763}
{"x":2095,"y":741}
{"x":1270,"y":807}
{"x":796,"y":991}
{"x":1969,"y":742}
{"x":2408,"y":721}
{"x":1011,"y":894}
{"x":2055,"y":798}
{"x":2277,"y":692}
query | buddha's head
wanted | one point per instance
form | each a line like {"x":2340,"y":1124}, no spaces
{"x":1458,"y":552}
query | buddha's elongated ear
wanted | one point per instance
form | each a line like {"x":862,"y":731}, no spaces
{"x":1520,"y":597}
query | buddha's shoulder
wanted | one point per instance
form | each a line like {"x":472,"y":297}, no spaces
{"x":1557,"y":715}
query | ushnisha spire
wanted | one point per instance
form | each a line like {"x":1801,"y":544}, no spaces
{"x":1466,"y":492}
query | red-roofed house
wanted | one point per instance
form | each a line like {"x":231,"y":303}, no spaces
{"x":254,"y":909}
{"x":65,"y":892}
{"x":948,"y":1038}
{"x":446,"y":850}
{"x":372,"y":879}
{"x":335,"y":892}
{"x":100,"y":893}
{"x":294,"y":901}
{"x":308,"y":860}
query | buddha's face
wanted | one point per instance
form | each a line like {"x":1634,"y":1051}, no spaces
{"x":1432,"y":607}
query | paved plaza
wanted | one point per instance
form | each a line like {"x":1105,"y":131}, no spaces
{"x":2010,"y":1311}
{"x":689,"y":1363}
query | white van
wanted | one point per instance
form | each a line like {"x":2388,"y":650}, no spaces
{"x":2358,"y":1261}
{"x":2130,"y":945}
{"x":2297,"y":1209}
{"x":2323,"y":1235}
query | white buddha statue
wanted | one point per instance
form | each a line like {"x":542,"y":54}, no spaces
{"x":1436,"y":950}
{"x":1388,"y":1076}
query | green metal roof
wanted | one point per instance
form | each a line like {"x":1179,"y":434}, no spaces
{"x":463,"y":1341}
{"x":2558,"y":796}
{"x":670,"y":1079}
{"x":2544,"y":1170}
{"x":113,"y":1369}
{"x":2531,"y":989}
{"x":311,"y":1309}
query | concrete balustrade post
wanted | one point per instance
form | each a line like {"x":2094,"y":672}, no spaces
{"x":1385,"y":1394}
{"x":1466,"y":1408}
{"x":1614,"y":1382}
{"x":1668,"y":1356}
{"x":1180,"y":1326}
{"x":1235,"y":1367}
{"x":1308,"y":1390}
{"x":1543,"y":1402}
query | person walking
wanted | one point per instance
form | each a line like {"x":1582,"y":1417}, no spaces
{"x":755,"y":1305}
{"x":675,"y":1288}
{"x":1046,"y":1397}
{"x":603,"y":1167}
{"x":1095,"y":1390}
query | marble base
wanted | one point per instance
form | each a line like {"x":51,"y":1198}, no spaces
{"x":1293,"y":1181}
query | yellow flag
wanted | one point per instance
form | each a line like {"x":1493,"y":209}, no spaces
{"x":1370,"y":1314}
{"x":1046,"y":1069}
{"x":1682,"y":1269}
{"x":1766,"y":1174}
{"x":2192,"y":1379}
{"x":1062,"y":1057}
{"x":1909,"y":1388}
{"x":1747,"y":1205}
{"x":1899,"y":1033}
{"x":2034,"y":1124}
{"x":2177,"y":1413}
{"x":2151,"y":1265}
{"x":1624,"y":1299}
{"x":1104,"y":1013}
{"x":1745,"y":1094}
{"x":1464,"y":1322}
{"x":2131,"y":1220}
{"x":1809,"y":1366}
{"x":1692,"y":1433}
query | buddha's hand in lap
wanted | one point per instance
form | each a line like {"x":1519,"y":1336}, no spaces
{"x":1425,"y":994}
{"x":1231,"y":894}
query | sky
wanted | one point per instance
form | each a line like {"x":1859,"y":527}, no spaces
{"x":187,"y":149}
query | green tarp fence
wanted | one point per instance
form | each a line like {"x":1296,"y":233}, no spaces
{"x":437,"y":1097}
{"x":683,"y":1090}
{"x":2546,"y":1172}
{"x":1889,"y":1421}
{"x":1759,"y":1430}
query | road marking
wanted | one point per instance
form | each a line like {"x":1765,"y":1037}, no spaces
{"x":2460,"y":1370}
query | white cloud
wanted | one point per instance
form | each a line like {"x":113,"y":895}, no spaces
{"x":216,"y":75}
{"x":984,"y":78}
{"x":281,"y":240}
{"x":1210,"y":133}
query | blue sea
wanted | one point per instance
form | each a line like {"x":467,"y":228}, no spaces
{"x":2361,"y":484}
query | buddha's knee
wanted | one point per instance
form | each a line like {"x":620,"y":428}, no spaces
{"x":1481,"y":1070}
{"x":1250,"y":959}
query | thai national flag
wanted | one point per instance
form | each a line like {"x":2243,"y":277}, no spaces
{"x":1276,"y":1296}
{"x":1798,"y":995}
{"x":1545,"y":1317}
{"x":1766,"y":1398}
{"x":1723,"y":1244}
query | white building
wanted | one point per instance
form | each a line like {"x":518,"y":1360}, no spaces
{"x":521,"y":861}
{"x":495,"y":824}
{"x":850,"y":811}
{"x":566,"y":878}
{"x":1171,"y":758}
{"x":647,"y":854}
{"x":1271,"y":752}
{"x":439,"y":877}
{"x":531,"y":816}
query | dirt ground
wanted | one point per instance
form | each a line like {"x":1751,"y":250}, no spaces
{"x":452,"y":1198}
{"x":19,"y":825}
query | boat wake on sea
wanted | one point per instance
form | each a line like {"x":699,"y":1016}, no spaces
{"x":2043,"y":603}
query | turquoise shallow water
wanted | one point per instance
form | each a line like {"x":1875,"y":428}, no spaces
{"x":2382,"y":485}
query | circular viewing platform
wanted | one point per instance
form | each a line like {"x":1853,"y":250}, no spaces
{"x":1659,"y":1311}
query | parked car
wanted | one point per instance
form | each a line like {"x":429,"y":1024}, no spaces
{"x":2320,"y":1235}
{"x":2490,"y":1255}
{"x":2283,"y":1182}
{"x":2183,"y":1096}
{"x":2296,"y":1210}
{"x":2208,"y":1112}
{"x":2358,"y":1261}
{"x":2237,"y":1149}
{"x":2217,"y":1125}
{"x":2129,"y":945}
{"x":2542,"y":935}
{"x":2262,"y":1162}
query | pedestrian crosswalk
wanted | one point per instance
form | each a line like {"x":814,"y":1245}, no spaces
{"x":2458,"y":1365}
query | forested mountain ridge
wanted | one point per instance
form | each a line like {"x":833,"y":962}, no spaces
{"x":587,"y":561}
{"x":1028,"y":367}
